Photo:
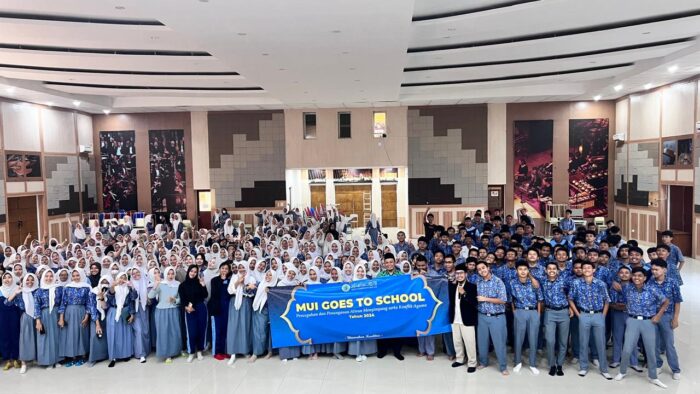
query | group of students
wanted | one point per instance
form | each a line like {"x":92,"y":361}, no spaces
{"x":117,"y":295}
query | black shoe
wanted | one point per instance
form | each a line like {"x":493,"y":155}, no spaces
{"x":559,"y":371}
{"x":112,"y":363}
{"x":552,"y":371}
{"x":471,"y":369}
{"x":456,"y":364}
{"x":398,"y":356}
{"x":381,"y":354}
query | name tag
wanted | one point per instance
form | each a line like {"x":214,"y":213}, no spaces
{"x":640,"y":318}
{"x":591,"y":312}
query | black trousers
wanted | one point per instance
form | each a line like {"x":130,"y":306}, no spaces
{"x":391,"y":344}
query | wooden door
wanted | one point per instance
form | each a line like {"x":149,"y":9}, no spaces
{"x":351,"y":199}
{"x":318,"y":195}
{"x":389,"y":206}
{"x":22,"y":219}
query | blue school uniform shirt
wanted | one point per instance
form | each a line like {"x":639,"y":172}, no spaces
{"x":74,"y":296}
{"x":523,"y":295}
{"x":603,"y":273}
{"x":671,"y":290}
{"x":538,"y":272}
{"x":492,"y":288}
{"x":643,"y":302}
{"x":618,"y":297}
{"x":589,"y":296}
{"x":567,"y":224}
{"x":506,"y":274}
{"x":128,"y":306}
{"x":563,"y":243}
{"x":554,"y":292}
{"x":41,"y":299}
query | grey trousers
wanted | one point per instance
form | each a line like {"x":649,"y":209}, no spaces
{"x":493,"y":327}
{"x":592,"y":324}
{"x":556,"y":333}
{"x":633,"y":330}
{"x":526,"y":323}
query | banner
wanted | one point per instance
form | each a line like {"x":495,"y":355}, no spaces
{"x":118,"y":155}
{"x":167,"y":161}
{"x":532,"y":165}
{"x":390,"y":307}
{"x":588,"y":166}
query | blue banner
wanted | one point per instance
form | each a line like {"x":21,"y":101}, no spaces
{"x":389,"y":307}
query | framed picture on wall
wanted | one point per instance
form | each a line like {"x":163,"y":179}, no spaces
{"x":23,"y":166}
{"x":677,"y":152}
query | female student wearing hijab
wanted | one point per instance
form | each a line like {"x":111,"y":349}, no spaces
{"x":360,"y":349}
{"x":336,"y":348}
{"x":167,"y":316}
{"x":98,"y":327}
{"x":218,"y":306}
{"x":312,"y":278}
{"x":95,"y":274}
{"x":261,"y":320}
{"x":141,"y":325}
{"x":290,"y":352}
{"x":47,"y":300}
{"x":238,"y":335}
{"x":27,"y":332}
{"x":73,"y":318}
{"x":193,"y":294}
{"x":120,"y":315}
{"x":9,"y":322}
{"x":373,"y":228}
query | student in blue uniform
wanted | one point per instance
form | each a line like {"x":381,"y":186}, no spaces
{"x":23,"y":298}
{"x":9,"y":322}
{"x":526,"y":302}
{"x":618,"y":312}
{"x":73,"y":318}
{"x":47,"y":300}
{"x":589,"y":300}
{"x":556,"y":315}
{"x":98,"y":326}
{"x":141,"y":324}
{"x":492,"y":297}
{"x":218,"y":309}
{"x":262,"y":341}
{"x":167,"y":315}
{"x":240,"y":314}
{"x":193,"y":294}
{"x":120,"y":315}
{"x":646,"y":304}
{"x":669,"y":321}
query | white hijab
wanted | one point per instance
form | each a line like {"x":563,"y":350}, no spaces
{"x":261,"y":293}
{"x":120,"y":294}
{"x":83,"y":281}
{"x":8,"y":291}
{"x":28,"y":296}
{"x":51,"y":287}
{"x":170,"y":283}
{"x":97,"y":290}
{"x":79,"y":232}
{"x":141,"y":287}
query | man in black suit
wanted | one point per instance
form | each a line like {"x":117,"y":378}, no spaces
{"x":463,"y":318}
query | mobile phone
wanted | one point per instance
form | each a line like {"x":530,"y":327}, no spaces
{"x":42,"y":331}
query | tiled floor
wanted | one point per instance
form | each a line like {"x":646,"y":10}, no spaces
{"x":385,"y":376}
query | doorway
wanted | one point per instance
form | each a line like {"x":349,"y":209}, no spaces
{"x":22,"y":218}
{"x":681,"y":216}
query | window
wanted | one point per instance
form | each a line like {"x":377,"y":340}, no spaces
{"x":379,"y":125}
{"x":309,"y":125}
{"x":344,"y":125}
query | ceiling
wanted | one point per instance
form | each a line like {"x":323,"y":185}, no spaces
{"x":174,"y":55}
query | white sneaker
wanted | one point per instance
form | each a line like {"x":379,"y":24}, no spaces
{"x":359,"y":359}
{"x":657,"y":382}
{"x":516,"y":368}
{"x":606,"y":375}
{"x":190,"y":358}
{"x":574,"y":360}
{"x":23,"y":370}
{"x":595,"y":363}
{"x":582,"y":372}
{"x":620,"y":376}
{"x":142,"y":360}
{"x":534,"y":370}
{"x":364,"y":358}
{"x":233,"y":359}
{"x":676,"y":375}
{"x":199,"y":356}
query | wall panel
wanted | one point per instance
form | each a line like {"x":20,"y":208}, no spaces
{"x":645,"y":116}
{"x":59,"y":131}
{"x":20,"y":125}
{"x":678,"y":105}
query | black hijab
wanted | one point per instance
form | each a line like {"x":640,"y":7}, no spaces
{"x":191,"y":291}
{"x":95,"y":279}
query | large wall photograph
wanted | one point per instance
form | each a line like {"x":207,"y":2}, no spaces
{"x":588,"y":166}
{"x":118,"y":155}
{"x":167,"y":162}
{"x":532,"y":146}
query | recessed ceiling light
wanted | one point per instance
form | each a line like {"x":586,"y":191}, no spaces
{"x":76,"y":103}
{"x":673,"y":68}
{"x":648,"y":86}
{"x":597,"y":97}
{"x":119,"y":7}
{"x":49,"y":103}
{"x":106,"y":111}
{"x":618,"y":87}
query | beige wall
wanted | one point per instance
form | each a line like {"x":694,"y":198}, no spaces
{"x":497,"y":149}
{"x":362,"y":150}
{"x":200,"y":150}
